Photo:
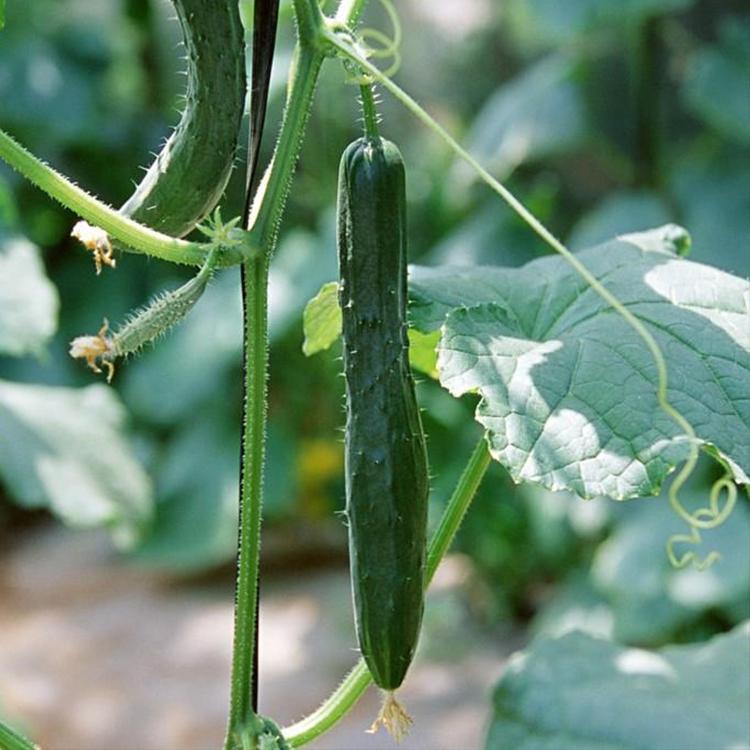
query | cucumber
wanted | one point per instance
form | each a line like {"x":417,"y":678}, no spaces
{"x":386,"y":461}
{"x":189,"y":175}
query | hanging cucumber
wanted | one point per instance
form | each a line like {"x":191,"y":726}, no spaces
{"x":190,"y":174}
{"x":386,"y":461}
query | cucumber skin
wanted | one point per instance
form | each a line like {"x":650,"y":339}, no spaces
{"x":387,"y":482}
{"x":189,"y":175}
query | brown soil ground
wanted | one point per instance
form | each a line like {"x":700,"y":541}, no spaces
{"x":98,"y":655}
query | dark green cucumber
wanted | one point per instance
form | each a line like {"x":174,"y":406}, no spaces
{"x":191,"y":172}
{"x":386,"y":461}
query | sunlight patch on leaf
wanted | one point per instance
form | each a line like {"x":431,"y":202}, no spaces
{"x":578,"y":692}
{"x":69,"y":454}
{"x":28,"y":299}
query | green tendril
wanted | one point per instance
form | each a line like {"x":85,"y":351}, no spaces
{"x":374,"y":44}
{"x":708,"y":517}
{"x":690,"y":557}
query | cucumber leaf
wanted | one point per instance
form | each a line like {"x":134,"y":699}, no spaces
{"x":568,"y":390}
{"x":650,"y":600}
{"x":68,"y":454}
{"x":583,"y":693}
{"x":321,"y":320}
{"x":28,"y":300}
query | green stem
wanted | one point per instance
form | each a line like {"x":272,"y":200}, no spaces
{"x":454,"y":513}
{"x":130,"y":233}
{"x":369,"y":112}
{"x":270,"y":199}
{"x":10,"y":739}
{"x":349,"y":11}
{"x":358,"y":680}
{"x":310,"y":22}
{"x":263,"y":224}
{"x":255,"y":280}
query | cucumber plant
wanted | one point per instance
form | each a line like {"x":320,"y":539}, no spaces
{"x":497,"y":329}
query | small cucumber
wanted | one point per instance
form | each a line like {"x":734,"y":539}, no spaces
{"x":386,"y":461}
{"x":191,"y":172}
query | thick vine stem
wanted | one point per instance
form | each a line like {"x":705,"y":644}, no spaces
{"x":241,"y":714}
{"x":270,"y":199}
{"x":358,"y":680}
{"x":349,"y":11}
{"x":263,"y":223}
{"x":310,"y":22}
{"x":12,"y":740}
{"x":135,"y":236}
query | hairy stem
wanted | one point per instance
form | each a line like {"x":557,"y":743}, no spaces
{"x":369,"y":112}
{"x":358,"y":680}
{"x":263,"y":222}
{"x":255,"y":281}
{"x":270,"y":200}
{"x":310,"y":22}
{"x":137,"y":237}
{"x":12,"y":740}
{"x":349,"y":11}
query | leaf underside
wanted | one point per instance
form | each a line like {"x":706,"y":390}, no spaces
{"x":68,"y":454}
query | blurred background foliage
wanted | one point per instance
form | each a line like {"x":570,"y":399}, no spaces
{"x":603,"y":116}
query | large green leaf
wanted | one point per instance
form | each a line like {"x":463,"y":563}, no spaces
{"x":568,"y":389}
{"x":582,"y":693}
{"x":28,"y":300}
{"x":63,"y":448}
{"x":196,"y":517}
